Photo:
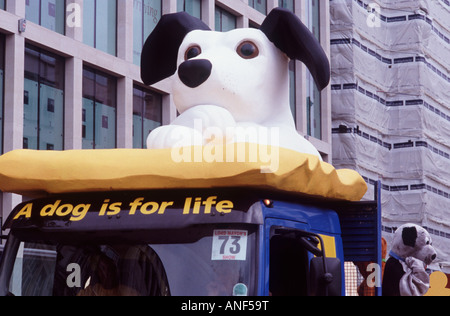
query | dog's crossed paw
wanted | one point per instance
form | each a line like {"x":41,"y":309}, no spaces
{"x":199,"y":125}
{"x":173,"y":136}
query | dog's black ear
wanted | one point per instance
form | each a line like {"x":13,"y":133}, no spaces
{"x":409,"y":236}
{"x":290,"y":35}
{"x":160,"y":52}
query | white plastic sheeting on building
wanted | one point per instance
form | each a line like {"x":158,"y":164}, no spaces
{"x":391,"y":106}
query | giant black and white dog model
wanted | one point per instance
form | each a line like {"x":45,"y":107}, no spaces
{"x":231,"y":80}
{"x":405,"y":273}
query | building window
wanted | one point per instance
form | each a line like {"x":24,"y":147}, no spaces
{"x":100,"y":25}
{"x":146,"y":14}
{"x":225,"y":21}
{"x":260,"y":5}
{"x":147,"y":115}
{"x":99,"y":110}
{"x":292,"y":89}
{"x":2,"y":67}
{"x":292,"y":69}
{"x":314,"y":100}
{"x":2,"y":4}
{"x":193,"y":7}
{"x":43,"y":100}
{"x":47,"y":13}
{"x":287,"y":4}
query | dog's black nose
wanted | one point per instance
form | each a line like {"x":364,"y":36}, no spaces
{"x":433,"y":257}
{"x":195,"y":72}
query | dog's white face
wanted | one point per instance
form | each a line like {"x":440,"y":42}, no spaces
{"x":243,"y":72}
{"x":416,"y":243}
{"x":233,"y":81}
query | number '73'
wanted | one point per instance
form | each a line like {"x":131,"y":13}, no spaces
{"x":235,"y":247}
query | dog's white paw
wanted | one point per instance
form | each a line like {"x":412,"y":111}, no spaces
{"x":201,"y":117}
{"x":173,"y":136}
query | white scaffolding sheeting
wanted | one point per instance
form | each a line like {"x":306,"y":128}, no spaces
{"x":391,"y":106}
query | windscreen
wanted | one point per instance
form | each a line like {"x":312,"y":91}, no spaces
{"x":221,"y":262}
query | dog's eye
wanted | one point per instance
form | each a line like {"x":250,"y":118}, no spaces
{"x":192,"y":52}
{"x":248,"y":50}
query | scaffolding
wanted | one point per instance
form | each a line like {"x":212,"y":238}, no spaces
{"x":391,"y":107}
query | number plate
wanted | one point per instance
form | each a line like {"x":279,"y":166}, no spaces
{"x":229,"y":245}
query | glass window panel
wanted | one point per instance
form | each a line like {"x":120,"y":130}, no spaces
{"x":88,"y":84}
{"x":32,"y":64}
{"x":89,"y":22}
{"x":313,"y":17}
{"x":105,"y":26}
{"x":287,"y":4}
{"x":30,"y":115}
{"x":43,"y":100}
{"x":51,"y":71}
{"x":51,"y":118}
{"x":260,"y":5}
{"x":292,"y":90}
{"x":147,"y":14}
{"x":138,"y":35}
{"x":100,"y":25}
{"x":60,"y":16}
{"x":147,"y":115}
{"x":138,"y":138}
{"x":88,"y":124}
{"x":32,"y":9}
{"x":152,"y":15}
{"x":180,"y":5}
{"x":105,"y":89}
{"x":138,"y":105}
{"x":99,"y":110}
{"x":53,"y":15}
{"x":47,"y":13}
{"x":314,"y":109}
{"x":105,"y":126}
{"x":225,"y":21}
{"x":314,"y":100}
{"x":2,"y":4}
{"x":149,"y":126}
{"x":153,"y":108}
{"x":193,"y":7}
{"x":228,"y":22}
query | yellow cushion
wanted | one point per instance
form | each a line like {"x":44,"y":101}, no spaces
{"x":39,"y":173}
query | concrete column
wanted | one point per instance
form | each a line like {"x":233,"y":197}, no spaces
{"x":14,"y":85}
{"x":73,"y":103}
{"x":9,"y":202}
{"x":208,"y":13}
{"x":271,"y":4}
{"x":125,"y":30}
{"x":169,"y":109}
{"x":16,"y":7}
{"x":242,"y":22}
{"x":169,"y":6}
{"x":124,"y":113}
{"x":13,"y":109}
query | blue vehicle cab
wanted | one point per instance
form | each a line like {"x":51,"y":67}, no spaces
{"x":199,"y":242}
